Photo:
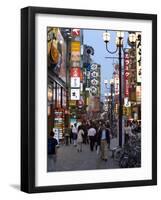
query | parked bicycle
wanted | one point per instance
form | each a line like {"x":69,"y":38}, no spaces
{"x":129,"y":156}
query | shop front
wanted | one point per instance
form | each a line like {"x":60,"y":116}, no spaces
{"x":57,"y":82}
{"x":57,"y":109}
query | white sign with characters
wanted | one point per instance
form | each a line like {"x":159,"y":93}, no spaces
{"x":75,"y":94}
{"x":75,"y":82}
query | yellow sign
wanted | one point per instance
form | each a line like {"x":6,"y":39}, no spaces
{"x":72,"y":102}
{"x":127,"y":111}
{"x":75,"y":46}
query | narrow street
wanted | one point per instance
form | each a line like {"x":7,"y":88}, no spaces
{"x":68,"y":159}
{"x":93,"y":94}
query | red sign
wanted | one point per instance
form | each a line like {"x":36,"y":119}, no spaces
{"x":75,"y":72}
{"x":75,"y":32}
{"x":126,"y":73}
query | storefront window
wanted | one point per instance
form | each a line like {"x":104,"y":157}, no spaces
{"x":49,"y":110}
{"x":58,"y":96}
{"x":50,"y":94}
{"x":64,"y":98}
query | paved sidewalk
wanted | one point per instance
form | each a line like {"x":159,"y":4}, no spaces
{"x":68,"y":159}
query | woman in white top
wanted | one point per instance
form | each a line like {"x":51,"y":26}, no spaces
{"x":80,"y":139}
{"x":75,"y":132}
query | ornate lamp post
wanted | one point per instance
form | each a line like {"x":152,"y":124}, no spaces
{"x":119,"y":49}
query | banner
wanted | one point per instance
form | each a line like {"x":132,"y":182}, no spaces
{"x":126,"y":74}
{"x":138,"y":56}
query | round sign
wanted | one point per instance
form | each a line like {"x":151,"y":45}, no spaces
{"x":94,"y":82}
{"x":93,"y":90}
{"x":94,"y":67}
{"x":94,"y":74}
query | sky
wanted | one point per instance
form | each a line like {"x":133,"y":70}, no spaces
{"x":94,"y":38}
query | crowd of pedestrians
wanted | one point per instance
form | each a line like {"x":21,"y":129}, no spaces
{"x":95,"y":134}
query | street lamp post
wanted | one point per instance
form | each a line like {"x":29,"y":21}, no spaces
{"x":119,"y":49}
{"x":120,"y":92}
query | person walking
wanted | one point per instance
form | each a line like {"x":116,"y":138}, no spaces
{"x":75,"y":132}
{"x":97,"y":137}
{"x":84,"y":127}
{"x":104,"y":140}
{"x":91,"y":135}
{"x":71,"y":135}
{"x":110,"y":133}
{"x":80,"y":139}
{"x":67,"y":134}
{"x":128,"y":132}
{"x":52,"y":151}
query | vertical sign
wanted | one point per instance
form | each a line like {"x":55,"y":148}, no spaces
{"x":75,"y":70}
{"x":116,"y":79}
{"x":95,"y":79}
{"x":75,"y":77}
{"x":126,"y":74}
{"x":138,"y":56}
{"x":138,"y":93}
{"x":116,"y":84}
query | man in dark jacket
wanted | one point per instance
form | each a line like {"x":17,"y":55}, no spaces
{"x":104,"y":140}
{"x":52,"y":150}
